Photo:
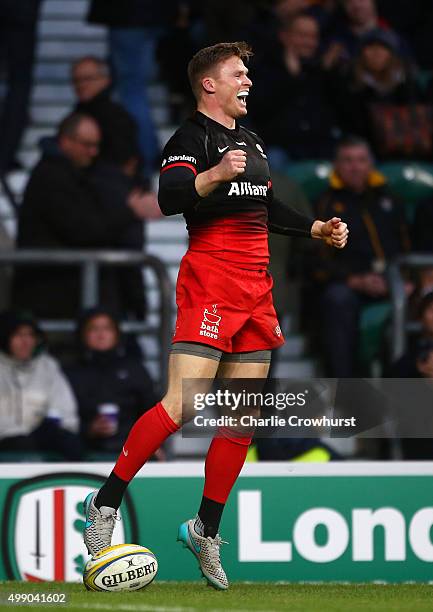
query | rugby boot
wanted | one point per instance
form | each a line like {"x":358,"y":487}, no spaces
{"x":207,"y":552}
{"x":99,"y":525}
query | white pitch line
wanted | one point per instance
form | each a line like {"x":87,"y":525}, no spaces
{"x":145,"y":608}
{"x":135,"y":608}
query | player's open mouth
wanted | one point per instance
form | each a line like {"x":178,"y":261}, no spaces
{"x":242,"y":97}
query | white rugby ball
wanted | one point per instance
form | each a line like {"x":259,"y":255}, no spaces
{"x":124,"y":567}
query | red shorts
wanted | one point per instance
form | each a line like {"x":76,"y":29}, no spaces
{"x":228,"y":308}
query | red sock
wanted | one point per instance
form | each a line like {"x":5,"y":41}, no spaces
{"x":145,"y":437}
{"x":224,"y":461}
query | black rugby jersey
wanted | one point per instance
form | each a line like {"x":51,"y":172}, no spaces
{"x":233,"y":221}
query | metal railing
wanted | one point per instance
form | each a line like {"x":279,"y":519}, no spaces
{"x":400,"y":324}
{"x":9,"y":194}
{"x":90,"y":261}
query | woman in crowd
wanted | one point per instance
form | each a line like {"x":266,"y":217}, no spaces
{"x":111,"y":384}
{"x":37,"y":408}
{"x":377,"y":97}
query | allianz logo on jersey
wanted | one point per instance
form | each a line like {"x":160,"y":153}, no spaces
{"x":246,"y":188}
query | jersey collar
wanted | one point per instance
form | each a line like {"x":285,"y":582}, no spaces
{"x":204,"y":120}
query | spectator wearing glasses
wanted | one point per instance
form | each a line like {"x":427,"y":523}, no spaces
{"x":63,"y":209}
{"x":119,"y":145}
{"x":117,"y":175}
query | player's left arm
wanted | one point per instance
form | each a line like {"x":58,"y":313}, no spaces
{"x":285,"y":220}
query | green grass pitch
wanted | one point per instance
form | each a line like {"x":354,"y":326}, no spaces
{"x":264,"y":597}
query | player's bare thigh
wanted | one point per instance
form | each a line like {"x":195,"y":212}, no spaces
{"x":231,"y":369}
{"x":187,"y":375}
{"x":191,"y":374}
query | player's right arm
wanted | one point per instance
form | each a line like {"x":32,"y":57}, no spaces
{"x":186,"y":178}
{"x":232,"y":164}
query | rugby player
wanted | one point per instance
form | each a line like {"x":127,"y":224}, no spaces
{"x":216,"y":173}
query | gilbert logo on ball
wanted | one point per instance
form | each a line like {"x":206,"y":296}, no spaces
{"x":125,"y":567}
{"x":42,"y":531}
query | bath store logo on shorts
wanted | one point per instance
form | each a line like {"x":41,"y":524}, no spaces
{"x":42,"y":531}
{"x":210,"y":325}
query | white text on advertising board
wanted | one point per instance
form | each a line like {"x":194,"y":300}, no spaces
{"x":359,"y":533}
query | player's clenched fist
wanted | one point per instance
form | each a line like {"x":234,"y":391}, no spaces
{"x":232,"y":164}
{"x":334,"y":232}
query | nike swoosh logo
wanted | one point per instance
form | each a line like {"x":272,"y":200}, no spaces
{"x":222,"y":150}
{"x":241,"y":144}
{"x":197,"y":547}
{"x":125,"y":452}
{"x":88,"y":524}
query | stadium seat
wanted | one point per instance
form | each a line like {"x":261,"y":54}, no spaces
{"x":373,"y":321}
{"x":412,"y":182}
{"x":311,"y":175}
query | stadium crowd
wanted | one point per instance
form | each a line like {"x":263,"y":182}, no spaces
{"x":345,"y":83}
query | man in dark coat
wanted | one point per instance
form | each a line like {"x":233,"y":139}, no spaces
{"x":355,"y":277}
{"x":117,"y":175}
{"x":291,"y":107}
{"x":64,"y":209}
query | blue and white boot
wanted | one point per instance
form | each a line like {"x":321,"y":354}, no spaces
{"x":207,"y":551}
{"x":99,"y":525}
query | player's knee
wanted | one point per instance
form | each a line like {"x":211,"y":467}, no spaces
{"x":173,"y":407}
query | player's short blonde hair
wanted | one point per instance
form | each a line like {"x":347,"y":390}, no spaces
{"x":206,"y":59}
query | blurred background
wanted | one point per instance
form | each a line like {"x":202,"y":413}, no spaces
{"x":90,"y":92}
